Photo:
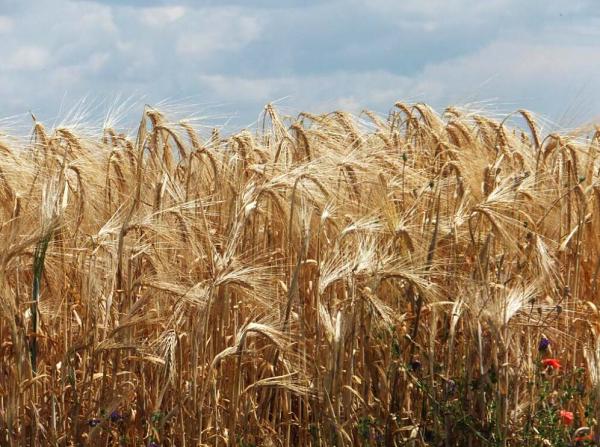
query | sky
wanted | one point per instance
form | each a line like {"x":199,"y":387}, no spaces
{"x":223,"y":60}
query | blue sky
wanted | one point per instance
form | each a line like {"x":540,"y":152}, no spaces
{"x":227,"y":58}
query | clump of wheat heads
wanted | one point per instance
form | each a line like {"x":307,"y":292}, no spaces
{"x":323,"y":280}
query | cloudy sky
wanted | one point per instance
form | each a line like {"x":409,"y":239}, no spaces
{"x":227,"y":58}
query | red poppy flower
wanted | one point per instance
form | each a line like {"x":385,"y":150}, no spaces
{"x":584,"y":438}
{"x":555,"y":364}
{"x":566,"y":417}
{"x":583,"y":434}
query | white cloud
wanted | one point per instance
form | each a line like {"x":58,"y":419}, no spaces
{"x":444,"y":10}
{"x":509,"y":73}
{"x":90,"y":17}
{"x":97,"y":61}
{"x":219,"y":30}
{"x":338,"y":90}
{"x":65,"y":76}
{"x":516,"y":63}
{"x":68,"y":76}
{"x":161,"y":15}
{"x":28,"y":58}
{"x":6,"y":24}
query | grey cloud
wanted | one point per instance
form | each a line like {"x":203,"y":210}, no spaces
{"x":121,"y":3}
{"x":350,"y":54}
{"x":263,"y":4}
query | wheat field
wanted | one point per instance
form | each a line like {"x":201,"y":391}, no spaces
{"x":415,"y":279}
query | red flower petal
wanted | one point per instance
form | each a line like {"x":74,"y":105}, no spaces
{"x":566,"y":417}
{"x":555,"y":364}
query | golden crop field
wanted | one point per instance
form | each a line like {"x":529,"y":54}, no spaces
{"x":416,"y":279}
